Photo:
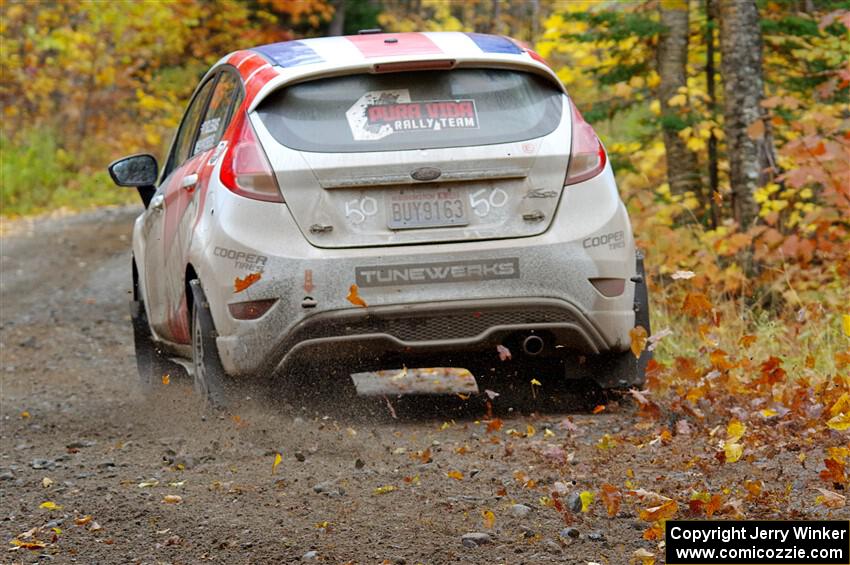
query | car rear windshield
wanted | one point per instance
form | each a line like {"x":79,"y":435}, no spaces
{"x":412,"y":110}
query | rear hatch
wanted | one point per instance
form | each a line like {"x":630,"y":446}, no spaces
{"x":418,"y":157}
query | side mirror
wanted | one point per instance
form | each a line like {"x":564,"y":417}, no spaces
{"x":135,"y":170}
{"x":139,"y":171}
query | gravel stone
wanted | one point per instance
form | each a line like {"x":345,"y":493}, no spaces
{"x":478,"y":538}
{"x":520,"y":510}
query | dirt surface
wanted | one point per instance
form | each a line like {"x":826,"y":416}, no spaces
{"x":362,"y":483}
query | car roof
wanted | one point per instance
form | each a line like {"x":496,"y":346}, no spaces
{"x":267,"y":67}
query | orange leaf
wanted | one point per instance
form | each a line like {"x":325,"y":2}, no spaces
{"x":599,"y":408}
{"x":747,"y":341}
{"x":663,"y":511}
{"x":834,"y":472}
{"x":425,"y":456}
{"x":611,"y":497}
{"x":241,"y":284}
{"x":638,"y":337}
{"x":713,"y":505}
{"x":696,"y":304}
{"x":755,"y":130}
{"x":655,"y":533}
{"x":494,"y":425}
{"x":771,"y":372}
{"x":354,"y":297}
{"x":456,"y":475}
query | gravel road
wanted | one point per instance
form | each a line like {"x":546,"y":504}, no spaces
{"x":105,"y":475}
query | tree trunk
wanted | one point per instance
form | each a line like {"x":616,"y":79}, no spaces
{"x":713,"y":171}
{"x":682,"y":164}
{"x":338,"y":21}
{"x":496,"y":15}
{"x":747,"y":146}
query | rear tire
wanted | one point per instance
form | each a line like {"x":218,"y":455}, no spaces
{"x":210,"y":379}
{"x":152,"y":365}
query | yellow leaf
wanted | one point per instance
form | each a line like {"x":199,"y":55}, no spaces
{"x":456,"y":475}
{"x":733,"y":451}
{"x":586,"y":500}
{"x":735,"y":431}
{"x":489,"y":519}
{"x":323,"y":525}
{"x":277,"y":459}
{"x":535,"y":382}
{"x":678,"y":100}
{"x":49,"y":505}
{"x":529,"y":430}
{"x":638,"y":337}
{"x":845,"y":323}
{"x":841,"y":405}
{"x":384,"y":489}
{"x":83,"y":520}
{"x":663,"y":511}
{"x":768,"y":413}
{"x":840,"y":422}
{"x":25,"y":415}
{"x":166,"y":379}
{"x":548,"y":433}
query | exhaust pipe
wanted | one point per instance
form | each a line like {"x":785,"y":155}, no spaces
{"x":533,"y":345}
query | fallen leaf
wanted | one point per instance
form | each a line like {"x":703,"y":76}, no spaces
{"x":586,"y":500}
{"x":456,"y":475}
{"x":354,"y":297}
{"x":148,"y":484}
{"x":504,"y":353}
{"x":49,"y":505}
{"x":643,"y":557}
{"x":277,"y":459}
{"x":599,"y":408}
{"x":25,"y":415}
{"x":683,"y":428}
{"x":529,"y":430}
{"x":489,"y":519}
{"x":384,"y":489}
{"x":611,"y":498}
{"x":663,"y":511}
{"x":494,"y":425}
{"x":33,"y":545}
{"x":535,"y":382}
{"x":166,"y":379}
{"x":696,"y":304}
{"x":747,"y":340}
{"x":845,"y":324}
{"x":735,"y":430}
{"x":830,"y":499}
{"x":46,"y":482}
{"x":682,"y":275}
{"x":548,"y":433}
{"x":638,"y":336}
{"x":83,"y":520}
{"x":490,"y":394}
{"x":241,"y":284}
{"x":172,"y":499}
{"x":840,"y":422}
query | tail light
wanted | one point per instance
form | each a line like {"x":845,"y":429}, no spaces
{"x":245,"y":169}
{"x":587,"y":156}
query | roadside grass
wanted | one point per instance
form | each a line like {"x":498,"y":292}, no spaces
{"x":39,"y":176}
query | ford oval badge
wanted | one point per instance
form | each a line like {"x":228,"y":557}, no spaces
{"x":426,"y":173}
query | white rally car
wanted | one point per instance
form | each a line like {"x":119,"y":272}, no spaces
{"x":381,"y":200}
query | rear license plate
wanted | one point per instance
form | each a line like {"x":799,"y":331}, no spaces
{"x":426,"y":208}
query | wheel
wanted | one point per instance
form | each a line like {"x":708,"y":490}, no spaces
{"x":210,"y":379}
{"x":152,"y":365}
{"x":622,"y":370}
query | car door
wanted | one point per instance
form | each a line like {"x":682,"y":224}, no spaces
{"x":162,"y":250}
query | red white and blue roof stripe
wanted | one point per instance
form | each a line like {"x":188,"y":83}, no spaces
{"x":270,"y":65}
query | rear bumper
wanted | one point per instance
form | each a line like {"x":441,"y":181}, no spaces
{"x":373,"y":338}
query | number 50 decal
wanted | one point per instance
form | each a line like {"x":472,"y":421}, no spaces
{"x":481,"y":205}
{"x":358,"y":210}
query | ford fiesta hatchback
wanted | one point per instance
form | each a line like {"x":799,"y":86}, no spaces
{"x":379,"y":201}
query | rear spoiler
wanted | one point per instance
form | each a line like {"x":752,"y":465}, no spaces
{"x":294,"y":75}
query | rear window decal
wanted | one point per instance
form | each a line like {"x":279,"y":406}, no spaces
{"x":380,"y":113}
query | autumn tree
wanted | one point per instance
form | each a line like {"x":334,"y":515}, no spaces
{"x":748,"y":150}
{"x":682,"y":165}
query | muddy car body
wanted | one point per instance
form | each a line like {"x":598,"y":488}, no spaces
{"x":379,"y":200}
